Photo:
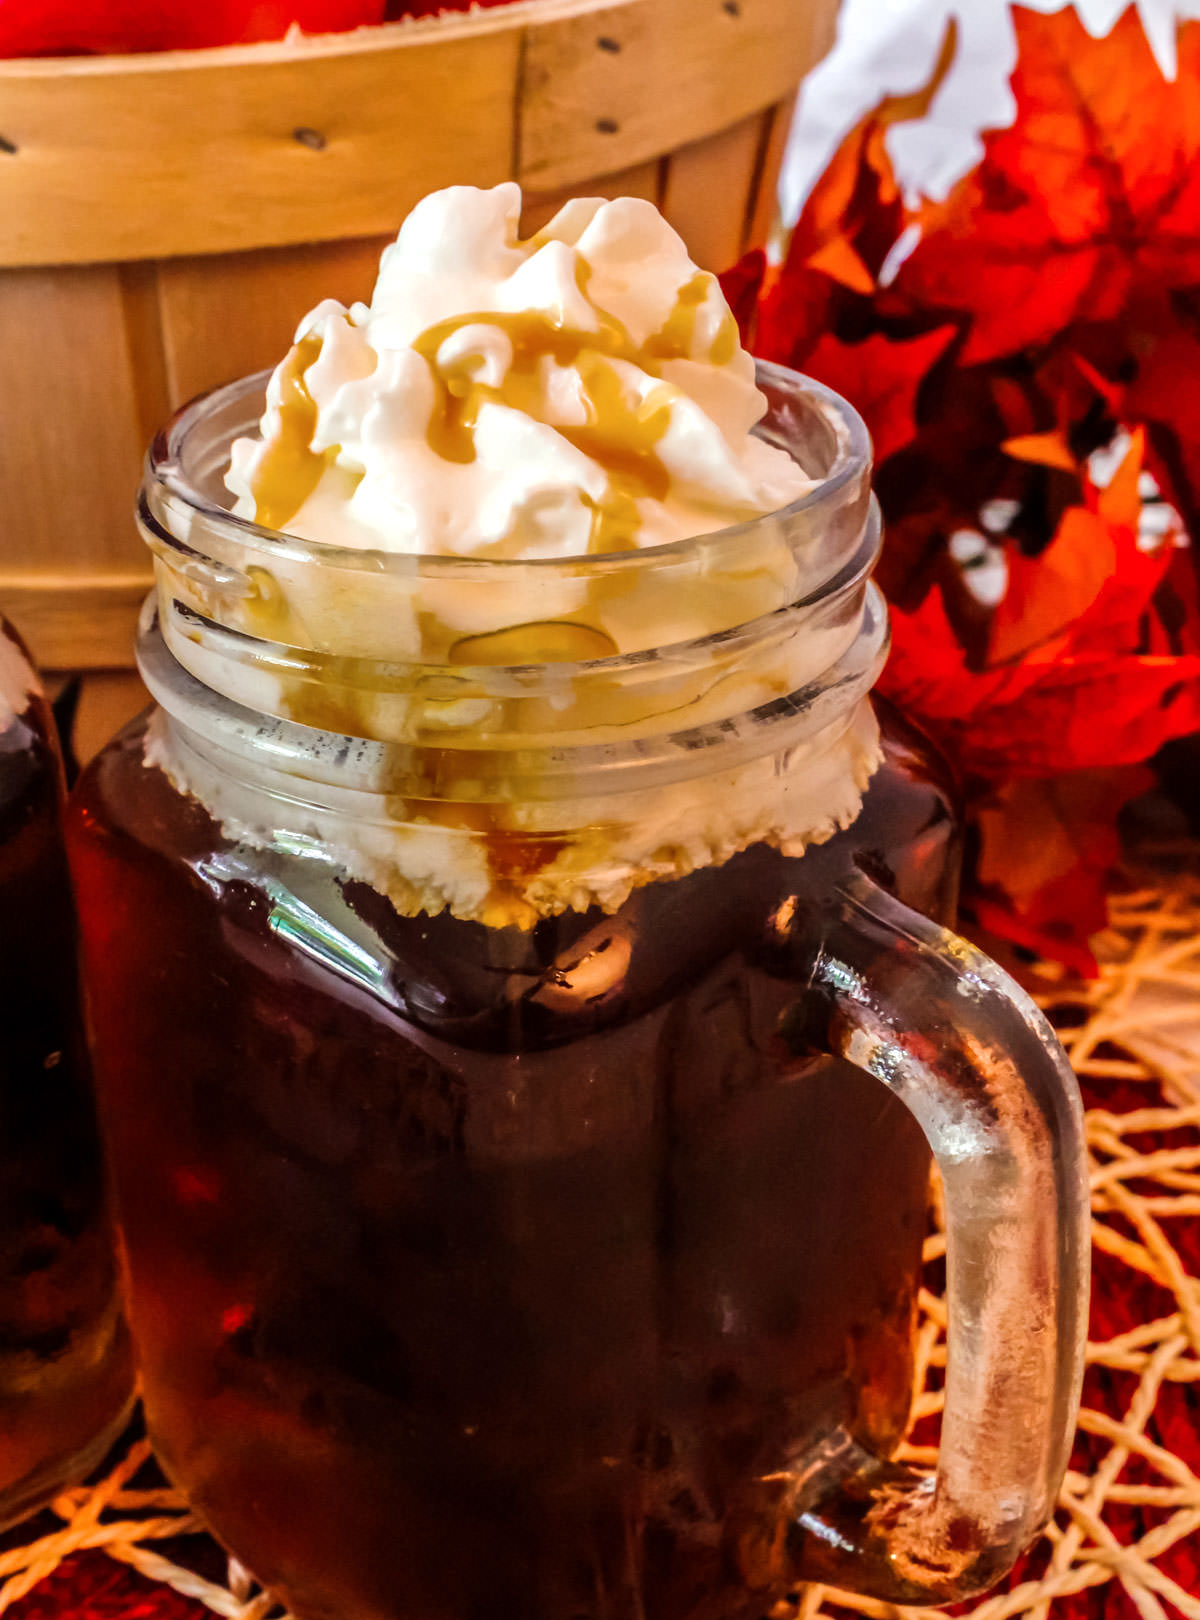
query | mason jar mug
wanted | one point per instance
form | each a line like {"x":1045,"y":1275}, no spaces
{"x":523,"y":1013}
{"x":65,"y":1372}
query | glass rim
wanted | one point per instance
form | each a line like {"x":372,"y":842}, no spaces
{"x":545,"y":767}
{"x":164,"y":468}
{"x":749,"y":633}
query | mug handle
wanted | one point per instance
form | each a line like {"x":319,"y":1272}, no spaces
{"x":975,"y":1062}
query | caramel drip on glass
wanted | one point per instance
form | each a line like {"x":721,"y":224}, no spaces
{"x":289,"y":469}
{"x":513,"y":856}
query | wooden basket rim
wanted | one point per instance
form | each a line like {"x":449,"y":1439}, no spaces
{"x":119,"y":159}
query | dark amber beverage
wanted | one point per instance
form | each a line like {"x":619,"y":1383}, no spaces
{"x":65,"y":1375}
{"x":505,"y":1248}
{"x":509,"y":1076}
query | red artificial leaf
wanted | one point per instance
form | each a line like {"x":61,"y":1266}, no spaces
{"x":1056,"y":288}
{"x":880,"y":378}
{"x":1087,"y":203}
{"x":433,"y":8}
{"x":850,"y":222}
{"x":1048,"y":853}
{"x":841,"y":202}
{"x":1079,"y":227}
{"x":1046,"y":594}
{"x":1161,"y":392}
{"x":1064,"y":940}
{"x":1174,"y":625}
{"x":91,"y":1586}
{"x":839,"y":260}
{"x":742,"y":284}
{"x":1042,"y":450}
{"x":1090,"y":712}
{"x":1066,"y":709}
{"x":1093,"y":584}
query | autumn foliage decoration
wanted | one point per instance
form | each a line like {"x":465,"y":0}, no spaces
{"x":1027,"y":356}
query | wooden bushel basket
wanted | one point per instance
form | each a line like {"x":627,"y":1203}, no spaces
{"x":166,"y":219}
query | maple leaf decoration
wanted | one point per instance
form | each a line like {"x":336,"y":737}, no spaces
{"x":741,"y":287}
{"x":1083,"y":210}
{"x":886,"y":371}
{"x":1025,"y":355}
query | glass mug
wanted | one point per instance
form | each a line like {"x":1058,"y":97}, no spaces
{"x":65,"y":1367}
{"x":519,"y":1061}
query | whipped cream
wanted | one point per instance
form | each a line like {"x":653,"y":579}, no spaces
{"x":521,"y":516}
{"x":571,"y":853}
{"x":580,"y":392}
{"x":556,"y":414}
{"x":18,"y":681}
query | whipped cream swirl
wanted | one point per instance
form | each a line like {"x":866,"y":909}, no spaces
{"x":580,"y":392}
{"x":515,"y":414}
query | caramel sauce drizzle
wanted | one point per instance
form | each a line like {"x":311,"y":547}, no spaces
{"x":675,"y":338}
{"x":621,"y":434}
{"x":513,"y":856}
{"x":289,"y":469}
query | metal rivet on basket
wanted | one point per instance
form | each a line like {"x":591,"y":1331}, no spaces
{"x":312,"y":138}
{"x":607,"y":43}
{"x":608,"y":126}
{"x":7,"y":146}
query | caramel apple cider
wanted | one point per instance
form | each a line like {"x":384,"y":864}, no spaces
{"x":520,"y":1003}
{"x":65,"y":1375}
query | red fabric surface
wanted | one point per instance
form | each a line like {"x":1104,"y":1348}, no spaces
{"x":90,"y":1586}
{"x":47,"y":28}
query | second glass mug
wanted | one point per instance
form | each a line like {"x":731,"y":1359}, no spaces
{"x":519,"y":1062}
{"x":66,"y":1376}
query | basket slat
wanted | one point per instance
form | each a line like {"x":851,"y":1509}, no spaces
{"x":642,"y":180}
{"x":683,"y":69}
{"x":107,"y":699}
{"x":762,"y":213}
{"x":229,"y":314}
{"x":709,"y":191}
{"x":256,"y":146}
{"x":143,"y":337}
{"x":81,"y":620}
{"x":71,"y":430}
